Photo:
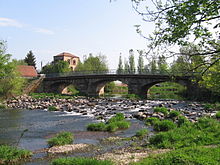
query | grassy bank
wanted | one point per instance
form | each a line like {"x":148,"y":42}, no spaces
{"x":9,"y":154}
{"x":62,"y":138}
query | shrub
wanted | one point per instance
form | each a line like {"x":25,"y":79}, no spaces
{"x":80,"y":161}
{"x":151,"y":120}
{"x":174,"y":114}
{"x":96,"y":127}
{"x":185,"y":156}
{"x":141,"y":133}
{"x":62,"y":138}
{"x":182,"y":120}
{"x":205,"y":132}
{"x":2,"y":106}
{"x":117,"y":117}
{"x":113,"y":124}
{"x":164,"y":125}
{"x":112,"y":127}
{"x":217,"y":115}
{"x":10,"y":154}
{"x":161,"y":110}
{"x":52,"y":108}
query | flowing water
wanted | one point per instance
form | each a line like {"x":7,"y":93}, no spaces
{"x":39,"y":125}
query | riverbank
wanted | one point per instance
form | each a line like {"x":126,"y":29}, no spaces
{"x":104,"y":108}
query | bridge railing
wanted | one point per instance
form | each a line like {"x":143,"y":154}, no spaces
{"x":116,"y":72}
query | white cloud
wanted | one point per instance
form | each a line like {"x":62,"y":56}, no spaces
{"x":10,"y":22}
{"x":44,"y":31}
{"x":6,"y":22}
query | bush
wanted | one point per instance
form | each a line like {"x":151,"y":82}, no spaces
{"x":2,"y":106}
{"x":116,"y":118}
{"x":185,"y":156}
{"x":141,"y":133}
{"x":96,"y":127}
{"x":52,"y":108}
{"x":161,"y":110}
{"x":112,"y":125}
{"x":217,"y":115}
{"x":62,"y":138}
{"x":80,"y":161}
{"x":151,"y":120}
{"x":205,"y":132}
{"x":10,"y":154}
{"x":182,"y":120}
{"x":164,"y":125}
{"x":174,"y":114}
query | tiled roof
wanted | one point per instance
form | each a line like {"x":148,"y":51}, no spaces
{"x":66,"y":54}
{"x":27,"y":71}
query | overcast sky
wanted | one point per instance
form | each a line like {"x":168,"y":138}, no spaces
{"x":80,"y":27}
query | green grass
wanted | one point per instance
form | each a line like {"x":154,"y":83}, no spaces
{"x":217,"y":115}
{"x":205,"y":132}
{"x":164,"y":125}
{"x":52,"y":108}
{"x":151,"y":120}
{"x":10,"y":154}
{"x":185,"y":156}
{"x":113,"y":124}
{"x":80,"y":161}
{"x":62,"y":138}
{"x":174,"y":114}
{"x":163,"y":110}
{"x":2,"y":106}
{"x":142,"y":133}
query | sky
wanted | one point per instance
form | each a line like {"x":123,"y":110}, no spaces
{"x":80,"y":27}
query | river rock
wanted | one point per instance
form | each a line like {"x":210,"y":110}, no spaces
{"x":68,"y":148}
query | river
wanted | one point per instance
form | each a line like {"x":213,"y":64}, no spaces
{"x":42,"y":124}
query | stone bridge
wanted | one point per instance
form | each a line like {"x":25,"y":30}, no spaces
{"x":91,"y":85}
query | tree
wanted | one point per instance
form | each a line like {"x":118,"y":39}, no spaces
{"x":120,"y":66}
{"x":162,"y":65}
{"x":153,"y":66}
{"x":93,"y":64}
{"x":126,"y":66}
{"x":131,"y":62}
{"x":182,"y":22}
{"x":140,"y":66}
{"x":58,"y":67}
{"x":10,"y":81}
{"x":30,"y":59}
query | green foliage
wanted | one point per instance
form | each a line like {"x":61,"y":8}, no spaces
{"x":72,"y":90}
{"x":132,"y":96}
{"x":10,"y":154}
{"x":140,"y":66}
{"x":205,"y":132}
{"x":166,"y":90}
{"x":164,"y":125}
{"x":182,"y":120}
{"x":113,"y":124}
{"x":141,"y":133}
{"x":62,"y":138}
{"x":174,"y":114}
{"x":163,"y":110}
{"x":120,"y":66}
{"x":217,"y":115}
{"x":109,"y":87}
{"x":30,"y":59}
{"x":11,"y":83}
{"x":185,"y":156}
{"x":151,"y":120}
{"x":93,"y":64}
{"x":132,"y":68}
{"x":80,"y":161}
{"x":52,"y":108}
{"x":2,"y":106}
{"x":56,"y":67}
{"x":96,"y":127}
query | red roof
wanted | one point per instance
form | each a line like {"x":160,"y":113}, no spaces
{"x":66,"y":54}
{"x":27,"y":71}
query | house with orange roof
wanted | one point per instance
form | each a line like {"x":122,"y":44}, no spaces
{"x":27,"y":71}
{"x":70,"y":58}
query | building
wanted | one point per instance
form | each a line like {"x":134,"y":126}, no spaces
{"x":27,"y":71}
{"x":71,"y":59}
